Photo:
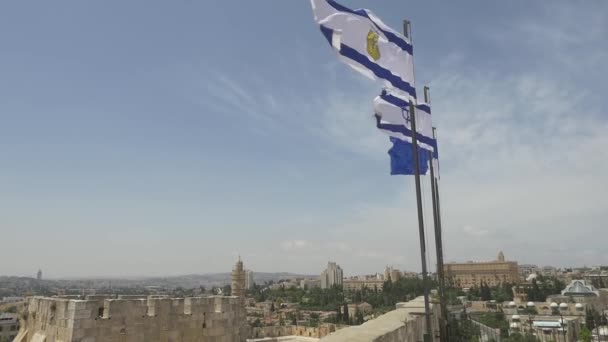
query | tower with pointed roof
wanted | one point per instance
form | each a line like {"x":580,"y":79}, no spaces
{"x":501,"y":257}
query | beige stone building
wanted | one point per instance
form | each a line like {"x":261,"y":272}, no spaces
{"x":331,"y":276}
{"x":199,"y":319}
{"x":492,"y":273}
{"x":358,"y":285}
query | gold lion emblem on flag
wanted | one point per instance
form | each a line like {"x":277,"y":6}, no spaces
{"x":372,"y":45}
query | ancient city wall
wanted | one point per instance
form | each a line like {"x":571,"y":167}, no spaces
{"x":208,"y":319}
{"x":404,"y":324}
{"x":292,"y":330}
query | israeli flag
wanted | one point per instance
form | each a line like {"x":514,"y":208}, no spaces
{"x":367,"y":45}
{"x":394,"y":119}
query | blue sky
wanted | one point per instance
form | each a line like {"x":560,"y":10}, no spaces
{"x":151,"y":138}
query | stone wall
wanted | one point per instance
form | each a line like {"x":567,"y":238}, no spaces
{"x":208,"y":319}
{"x":404,"y":324}
{"x":292,"y":330}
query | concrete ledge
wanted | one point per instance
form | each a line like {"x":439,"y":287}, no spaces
{"x":404,"y":324}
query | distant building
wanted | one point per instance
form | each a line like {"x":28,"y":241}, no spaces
{"x":597,"y":277}
{"x":364,"y":308}
{"x":249,"y":279}
{"x":548,"y":271}
{"x":492,"y":273}
{"x":331,"y":276}
{"x":526,"y":269}
{"x":39,"y":275}
{"x":12,"y":300}
{"x":9,"y":327}
{"x":392,"y":274}
{"x":309,"y":283}
{"x":358,"y":285}
{"x":238,"y":279}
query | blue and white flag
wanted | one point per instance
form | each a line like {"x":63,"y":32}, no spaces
{"x":435,"y":158}
{"x":402,"y":158}
{"x":394,"y":119}
{"x":367,"y":45}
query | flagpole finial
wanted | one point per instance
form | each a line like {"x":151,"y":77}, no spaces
{"x":407,"y":26}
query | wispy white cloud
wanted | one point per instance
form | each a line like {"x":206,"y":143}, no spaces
{"x":524,"y":150}
{"x":524,"y":154}
{"x":290,"y":245}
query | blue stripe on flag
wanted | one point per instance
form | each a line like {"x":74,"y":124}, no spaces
{"x":393,"y":38}
{"x":435,"y":151}
{"x":401,"y":103}
{"x":379,"y":71}
{"x":407,"y":132}
{"x":327,"y":32}
{"x":424,"y":107}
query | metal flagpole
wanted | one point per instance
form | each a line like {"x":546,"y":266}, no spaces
{"x":440,"y":263}
{"x":427,"y":310}
{"x":443,"y":333}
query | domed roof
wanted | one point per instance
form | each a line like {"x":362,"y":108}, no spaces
{"x":531,"y":304}
{"x":578,"y":306}
{"x":554,"y":305}
{"x":514,"y":317}
{"x":531,"y":277}
{"x":563,"y":306}
{"x":578,"y":288}
{"x":512,"y":304}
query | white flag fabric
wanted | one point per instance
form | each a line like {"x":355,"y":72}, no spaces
{"x":395,"y":119}
{"x":367,"y":45}
{"x":324,"y":8}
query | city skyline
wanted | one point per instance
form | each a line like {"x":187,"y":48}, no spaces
{"x":170,"y":144}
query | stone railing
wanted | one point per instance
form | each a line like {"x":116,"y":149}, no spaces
{"x":404,"y":324}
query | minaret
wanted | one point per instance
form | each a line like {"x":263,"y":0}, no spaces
{"x":39,"y":275}
{"x":238,"y":279}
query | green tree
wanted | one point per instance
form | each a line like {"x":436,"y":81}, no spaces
{"x":358,"y":317}
{"x":534,"y":293}
{"x":227,"y":290}
{"x":345,"y":316}
{"x":585,"y":335}
{"x":485,"y":292}
{"x":338,"y":315}
{"x":314,"y":320}
{"x":257,"y":323}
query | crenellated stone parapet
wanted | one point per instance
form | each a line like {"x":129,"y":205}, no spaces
{"x":100,"y":319}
